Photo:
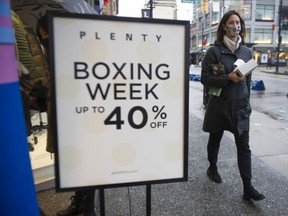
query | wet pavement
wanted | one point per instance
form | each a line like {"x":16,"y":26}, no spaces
{"x":200,"y":196}
{"x":197,"y":196}
{"x":268,"y":125}
{"x":273,"y":101}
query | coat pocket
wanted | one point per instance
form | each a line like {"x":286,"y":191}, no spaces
{"x":219,"y":106}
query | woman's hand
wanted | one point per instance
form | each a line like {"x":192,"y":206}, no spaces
{"x":235,"y":77}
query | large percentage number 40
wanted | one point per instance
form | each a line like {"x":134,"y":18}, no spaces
{"x":110,"y":120}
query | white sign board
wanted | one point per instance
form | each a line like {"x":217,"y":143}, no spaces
{"x":120,"y":100}
{"x":264,"y":58}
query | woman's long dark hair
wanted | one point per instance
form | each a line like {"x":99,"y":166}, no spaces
{"x":221,"y":32}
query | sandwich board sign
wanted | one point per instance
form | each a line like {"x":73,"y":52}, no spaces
{"x":120,"y":100}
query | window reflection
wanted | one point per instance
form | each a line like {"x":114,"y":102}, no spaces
{"x":265,"y":12}
{"x":263,"y":36}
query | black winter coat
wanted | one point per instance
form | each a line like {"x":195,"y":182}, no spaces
{"x":231,"y":111}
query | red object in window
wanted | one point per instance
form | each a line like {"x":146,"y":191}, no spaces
{"x":273,"y":27}
{"x":204,"y":42}
{"x":106,"y":2}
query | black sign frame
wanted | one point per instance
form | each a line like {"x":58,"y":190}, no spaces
{"x":53,"y":18}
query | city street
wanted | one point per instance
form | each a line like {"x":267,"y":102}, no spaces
{"x":273,"y":101}
{"x":269,"y":119}
{"x":200,"y":196}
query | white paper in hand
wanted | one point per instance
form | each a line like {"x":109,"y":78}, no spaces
{"x":239,"y":62}
{"x":243,"y":69}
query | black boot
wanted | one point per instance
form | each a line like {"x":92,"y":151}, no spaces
{"x":73,"y":209}
{"x":214,"y":175}
{"x":88,"y":207}
{"x":251,"y":193}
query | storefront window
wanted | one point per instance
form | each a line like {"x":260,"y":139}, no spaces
{"x":264,"y":12}
{"x":284,"y":35}
{"x":239,"y":6}
{"x":213,"y":37}
{"x":246,"y":12}
{"x":263,"y":36}
{"x":215,"y":18}
{"x":247,"y":37}
{"x":232,"y":3}
{"x":205,"y":39}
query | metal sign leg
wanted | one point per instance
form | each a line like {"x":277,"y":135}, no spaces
{"x":148,"y":200}
{"x":102,"y":202}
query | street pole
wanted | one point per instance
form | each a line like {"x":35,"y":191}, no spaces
{"x":202,"y":33}
{"x":205,"y":88}
{"x":151,"y":9}
{"x":202,"y":40}
{"x":279,"y":36}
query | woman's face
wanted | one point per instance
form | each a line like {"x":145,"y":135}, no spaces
{"x":232,"y":27}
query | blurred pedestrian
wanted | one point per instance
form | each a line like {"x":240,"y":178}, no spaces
{"x":231,"y":109}
{"x":269,"y":63}
{"x":82,"y":203}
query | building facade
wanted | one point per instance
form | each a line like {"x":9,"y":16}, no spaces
{"x":163,"y":9}
{"x":262,"y":20}
{"x":105,"y":7}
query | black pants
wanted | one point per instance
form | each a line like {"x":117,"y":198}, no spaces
{"x":26,"y":110}
{"x":243,"y":153}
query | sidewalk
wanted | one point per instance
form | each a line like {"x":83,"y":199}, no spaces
{"x":281,"y":70}
{"x":197,"y":196}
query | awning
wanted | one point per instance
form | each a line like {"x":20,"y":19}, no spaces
{"x":272,"y":48}
{"x":263,"y":47}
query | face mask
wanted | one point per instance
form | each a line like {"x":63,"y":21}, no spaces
{"x":234,"y":30}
